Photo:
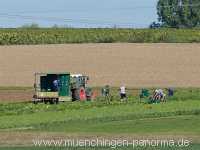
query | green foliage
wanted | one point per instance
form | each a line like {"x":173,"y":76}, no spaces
{"x":31,"y":26}
{"x":179,"y":13}
{"x":181,"y":94}
{"x":169,"y":125}
{"x":186,"y":94}
{"x":69,"y":35}
{"x":179,"y":116}
{"x":112,"y":116}
{"x":22,"y":116}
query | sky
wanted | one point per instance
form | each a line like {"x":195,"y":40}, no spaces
{"x":78,"y":13}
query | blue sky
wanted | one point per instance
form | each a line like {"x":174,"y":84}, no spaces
{"x":78,"y":13}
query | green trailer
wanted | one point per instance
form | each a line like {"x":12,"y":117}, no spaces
{"x":59,"y":87}
{"x":52,"y":87}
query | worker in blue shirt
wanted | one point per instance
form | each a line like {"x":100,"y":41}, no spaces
{"x":56,"y":85}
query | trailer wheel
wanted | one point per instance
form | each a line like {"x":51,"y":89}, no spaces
{"x":34,"y":100}
{"x":45,"y":101}
{"x":56,"y":100}
{"x":51,"y":101}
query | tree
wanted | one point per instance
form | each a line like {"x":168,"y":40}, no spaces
{"x":31,"y":26}
{"x":154,"y":25}
{"x":179,"y":13}
{"x":55,"y":26}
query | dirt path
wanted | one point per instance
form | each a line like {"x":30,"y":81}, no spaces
{"x":15,"y":95}
{"x":27,"y":138}
{"x":135,"y":65}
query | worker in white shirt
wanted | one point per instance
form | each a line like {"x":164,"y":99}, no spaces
{"x":123,"y":92}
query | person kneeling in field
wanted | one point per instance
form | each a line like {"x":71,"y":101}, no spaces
{"x":159,"y":96}
{"x":162,"y":95}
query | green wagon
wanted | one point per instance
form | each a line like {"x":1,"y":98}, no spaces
{"x":60,"y":87}
{"x":47,"y":91}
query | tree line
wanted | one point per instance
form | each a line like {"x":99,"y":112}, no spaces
{"x":178,"y":14}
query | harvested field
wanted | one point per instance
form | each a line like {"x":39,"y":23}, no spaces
{"x":15,"y":95}
{"x":135,"y":65}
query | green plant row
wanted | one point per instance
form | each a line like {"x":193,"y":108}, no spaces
{"x":98,"y":114}
{"x":188,"y":94}
{"x":69,"y":35}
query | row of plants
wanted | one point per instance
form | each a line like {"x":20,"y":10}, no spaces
{"x":188,"y":94}
{"x":33,"y":115}
{"x":70,"y":35}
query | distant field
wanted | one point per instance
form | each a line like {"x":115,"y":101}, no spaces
{"x":135,"y":65}
{"x":63,"y":36}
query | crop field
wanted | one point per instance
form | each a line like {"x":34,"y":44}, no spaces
{"x":20,"y":123}
{"x":70,"y":35}
{"x":135,"y":65}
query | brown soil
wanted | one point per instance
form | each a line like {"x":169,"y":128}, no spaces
{"x":15,"y":95}
{"x":135,"y":65}
{"x":26,"y":138}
